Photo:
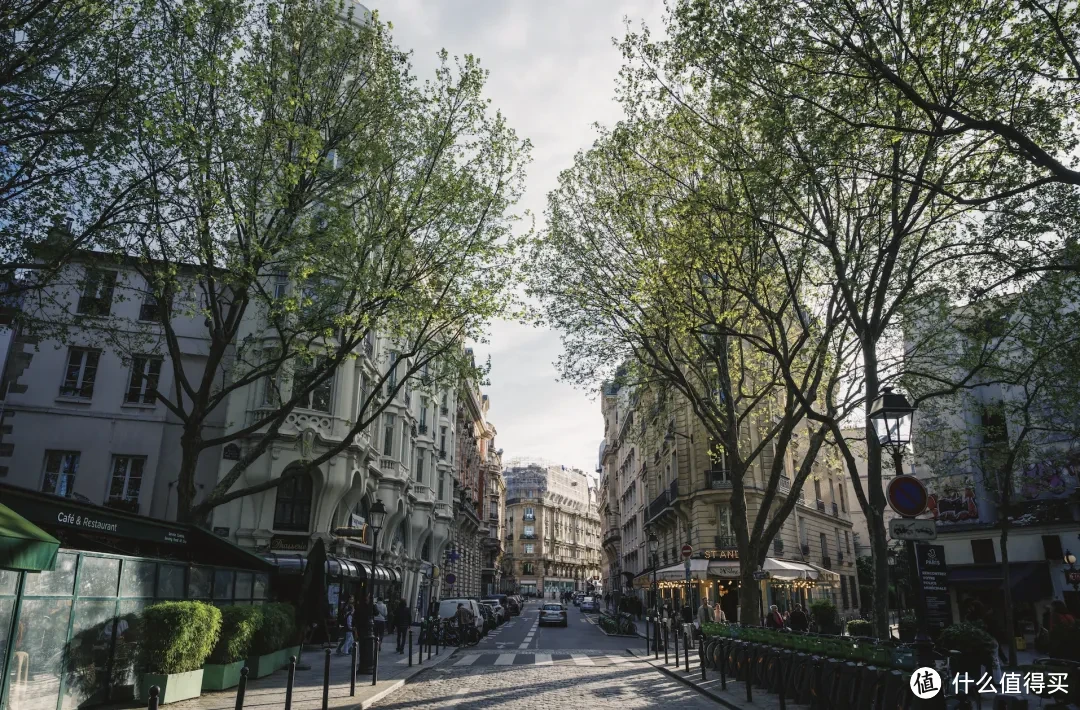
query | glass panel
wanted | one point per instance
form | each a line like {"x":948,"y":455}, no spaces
{"x":7,"y":608}
{"x":98,"y":577}
{"x":137,"y":579}
{"x":123,"y":674}
{"x":9,"y":583}
{"x":199,"y":583}
{"x":170,"y":582}
{"x":262,"y":581}
{"x":87,"y":662}
{"x":223,"y":584}
{"x":58,"y":583}
{"x":34,"y":675}
{"x":243,"y":585}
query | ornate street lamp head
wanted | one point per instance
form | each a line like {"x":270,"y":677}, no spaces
{"x":377,"y":514}
{"x":654,"y":543}
{"x":891,"y":415}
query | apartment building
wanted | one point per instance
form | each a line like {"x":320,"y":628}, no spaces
{"x":661,"y":475}
{"x":552,"y":541}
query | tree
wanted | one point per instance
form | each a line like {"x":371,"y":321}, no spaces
{"x":67,"y":174}
{"x":308,"y":194}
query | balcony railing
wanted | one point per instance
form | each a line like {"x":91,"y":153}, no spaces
{"x":526,"y":516}
{"x":835,"y":510}
{"x":785,"y":484}
{"x":528,"y":536}
{"x":826,"y":562}
{"x":805,"y":549}
{"x":821,"y":505}
{"x":422,"y":429}
{"x":390,"y":467}
{"x":442,"y":454}
{"x":717,"y":478}
{"x":444,"y":411}
{"x":658,"y":505}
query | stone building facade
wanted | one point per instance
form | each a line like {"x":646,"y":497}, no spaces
{"x":552,"y":541}
{"x":658,"y":474}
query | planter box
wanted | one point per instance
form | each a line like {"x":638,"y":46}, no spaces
{"x":222,"y":676}
{"x":262,"y":666}
{"x":174,"y":686}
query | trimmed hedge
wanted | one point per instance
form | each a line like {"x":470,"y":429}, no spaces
{"x":239,"y":625}
{"x":823,"y":612}
{"x":177,"y":637}
{"x":860,"y":627}
{"x":967,"y":638}
{"x":277,"y":630}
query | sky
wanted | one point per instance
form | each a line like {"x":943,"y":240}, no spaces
{"x":552,"y":73}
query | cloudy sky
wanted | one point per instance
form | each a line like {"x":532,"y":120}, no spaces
{"x":553,"y":69}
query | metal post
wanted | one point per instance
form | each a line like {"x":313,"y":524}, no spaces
{"x":783,"y":681}
{"x":665,"y":627}
{"x":750,"y":676}
{"x":648,"y":643}
{"x":723,"y":665}
{"x":676,"y":635}
{"x":374,"y":661}
{"x":410,"y":648}
{"x":326,"y":682}
{"x":686,"y":651}
{"x":701,"y":654}
{"x":290,"y":682}
{"x":241,"y":689}
{"x":656,"y":637}
{"x":352,"y":670}
{"x":154,"y":693}
{"x":429,"y":634}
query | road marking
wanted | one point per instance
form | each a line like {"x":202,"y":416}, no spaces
{"x":619,"y":659}
{"x":467,"y":660}
{"x":542,"y":659}
{"x":582,"y":660}
{"x":505,"y":659}
{"x":524,"y":645}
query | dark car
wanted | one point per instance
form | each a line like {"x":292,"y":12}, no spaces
{"x":489,"y":618}
{"x":508,"y":602}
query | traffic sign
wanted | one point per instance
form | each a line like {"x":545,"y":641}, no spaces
{"x":450,"y":578}
{"x":687,"y":551}
{"x":916,"y":529}
{"x":907,"y":496}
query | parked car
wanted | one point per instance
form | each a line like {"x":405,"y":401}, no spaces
{"x":552,"y":614}
{"x":577,"y":599}
{"x":503,"y":601}
{"x":490,"y":622}
{"x":496,"y":607}
{"x":589,"y":604}
{"x":514,"y":605}
{"x":448,"y":607}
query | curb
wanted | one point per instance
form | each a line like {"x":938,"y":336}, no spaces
{"x":687,"y":681}
{"x":401,"y":682}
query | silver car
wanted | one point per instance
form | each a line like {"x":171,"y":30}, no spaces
{"x":553,"y":614}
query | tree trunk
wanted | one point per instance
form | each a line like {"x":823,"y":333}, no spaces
{"x":185,"y":479}
{"x":749,"y":596}
{"x":880,"y":555}
{"x":1010,"y":630}
{"x":875,"y":497}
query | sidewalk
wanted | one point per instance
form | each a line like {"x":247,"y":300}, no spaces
{"x":735,"y":695}
{"x":269,"y":692}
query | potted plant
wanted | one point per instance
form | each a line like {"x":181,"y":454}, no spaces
{"x":974,"y":647}
{"x":270,"y":649}
{"x":239,"y":624}
{"x":860,"y":627}
{"x":823,"y":614}
{"x":907,"y":626}
{"x":177,"y":637}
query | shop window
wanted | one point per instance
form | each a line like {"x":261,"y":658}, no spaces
{"x":292,"y":511}
{"x":137,"y":579}
{"x":223,"y":584}
{"x":260,"y":585}
{"x":243,"y":585}
{"x":170,"y":582}
{"x":98,"y":576}
{"x":58,"y":583}
{"x":199,"y":581}
{"x":982,"y":551}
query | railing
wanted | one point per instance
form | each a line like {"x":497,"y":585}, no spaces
{"x":785,"y":484}
{"x":390,"y":467}
{"x":826,"y":562}
{"x":422,"y":493}
{"x":526,"y":516}
{"x":835,"y":511}
{"x":725,"y":542}
{"x":717,"y":478}
{"x":422,"y":428}
{"x":528,"y":536}
{"x":444,"y":411}
{"x":442,"y":454}
{"x":658,"y":505}
{"x":821,"y":505}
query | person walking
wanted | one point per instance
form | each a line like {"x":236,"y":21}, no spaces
{"x":379,"y":613}
{"x":774,"y":620}
{"x":401,"y":623}
{"x":464,"y":621}
{"x":718,"y":613}
{"x":345,"y":647}
{"x":798,"y":621}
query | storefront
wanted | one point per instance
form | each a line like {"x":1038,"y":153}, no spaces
{"x":68,"y":630}
{"x":527,"y":587}
{"x":791,"y":583}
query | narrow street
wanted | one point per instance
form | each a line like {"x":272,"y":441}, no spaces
{"x":521,"y":665}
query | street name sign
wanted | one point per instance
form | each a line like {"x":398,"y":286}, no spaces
{"x":912,"y":529}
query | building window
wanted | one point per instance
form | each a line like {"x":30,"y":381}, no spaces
{"x":423,"y":414}
{"x":817,"y":489}
{"x":388,"y":435}
{"x":391,"y":376}
{"x":420,"y":454}
{"x":97,"y":294}
{"x":60,"y":470}
{"x":127,"y":473}
{"x":529,"y":548}
{"x":847,"y":540}
{"x":843,"y":591}
{"x":150,"y":309}
{"x":853,"y":586}
{"x":824,"y":545}
{"x":292,"y":509}
{"x":442,"y":442}
{"x":530,"y":513}
{"x":982,"y":551}
{"x":843,"y":499}
{"x":145,"y":371}
{"x":442,"y":485}
{"x":81,"y":370}
{"x":319,"y":397}
{"x":281,"y":284}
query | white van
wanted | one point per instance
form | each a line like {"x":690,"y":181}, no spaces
{"x":448,"y":608}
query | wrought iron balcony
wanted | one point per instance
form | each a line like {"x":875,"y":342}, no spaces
{"x":725,"y":542}
{"x":528,"y":536}
{"x":826,"y":562}
{"x":835,"y":511}
{"x":821,"y":506}
{"x":422,"y":428}
{"x":717,"y":478}
{"x":785,"y":484}
{"x":442,"y":454}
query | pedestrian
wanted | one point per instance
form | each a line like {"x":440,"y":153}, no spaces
{"x":379,"y":615}
{"x":401,"y":623}
{"x":345,"y":647}
{"x":774,"y":620}
{"x":704,"y":613}
{"x":798,"y":621}
{"x":464,"y":621}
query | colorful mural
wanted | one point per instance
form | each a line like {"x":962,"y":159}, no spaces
{"x":953,"y":505}
{"x":1053,"y":478}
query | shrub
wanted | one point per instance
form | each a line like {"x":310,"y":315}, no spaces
{"x":178,"y":636}
{"x":239,"y":625}
{"x":713,"y":628}
{"x":823,"y":612}
{"x":277,"y":630}
{"x":969,"y":639}
{"x":860,"y":627}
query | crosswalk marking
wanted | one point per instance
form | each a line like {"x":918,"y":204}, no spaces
{"x":542,"y":659}
{"x":582,"y":660}
{"x":467,"y":660}
{"x":505,"y":659}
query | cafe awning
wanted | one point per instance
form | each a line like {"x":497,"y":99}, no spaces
{"x":788,"y":570}
{"x":23,"y":545}
{"x":699,"y":570}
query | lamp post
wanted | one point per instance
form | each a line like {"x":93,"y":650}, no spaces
{"x":654,"y":546}
{"x":1072,"y":575}
{"x":891,"y":416}
{"x":892,"y":576}
{"x":376,"y":518}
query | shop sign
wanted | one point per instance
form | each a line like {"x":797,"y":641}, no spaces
{"x":289,"y":543}
{"x":59,"y":514}
{"x":933,"y":575}
{"x":725,"y":572}
{"x":1072,"y":576}
{"x":730,"y":554}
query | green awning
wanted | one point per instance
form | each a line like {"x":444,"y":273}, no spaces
{"x":23,"y":545}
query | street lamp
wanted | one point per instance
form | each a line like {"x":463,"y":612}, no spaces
{"x":654,"y":545}
{"x":376,"y":518}
{"x":1072,"y":575}
{"x":891,"y":415}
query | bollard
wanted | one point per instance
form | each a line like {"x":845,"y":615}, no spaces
{"x":326,"y":682}
{"x":374,"y":661}
{"x":676,"y":635}
{"x":783,"y":680}
{"x":242,"y":688}
{"x":352,"y":670}
{"x":686,"y":652}
{"x":438,"y":640}
{"x":723,"y":664}
{"x":656,"y":639}
{"x":428,"y":644}
{"x":289,"y":683}
{"x":750,"y":675}
{"x":410,"y":648}
{"x":154,"y":693}
{"x":701,"y":654}
{"x":665,"y":644}
{"x":648,"y":647}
